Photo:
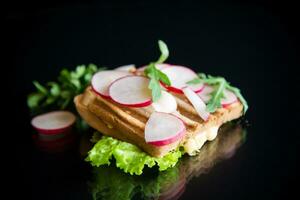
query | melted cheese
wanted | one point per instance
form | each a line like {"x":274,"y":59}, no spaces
{"x":211,"y":133}
{"x":194,"y":144}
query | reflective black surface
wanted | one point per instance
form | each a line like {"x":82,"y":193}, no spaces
{"x":249,"y":44}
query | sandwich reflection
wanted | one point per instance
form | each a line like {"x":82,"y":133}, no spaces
{"x":55,"y":144}
{"x":64,"y":141}
{"x":110,"y":183}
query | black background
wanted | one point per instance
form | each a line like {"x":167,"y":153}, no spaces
{"x":253,"y":44}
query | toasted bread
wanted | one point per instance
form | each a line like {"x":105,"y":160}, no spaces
{"x":128,"y":124}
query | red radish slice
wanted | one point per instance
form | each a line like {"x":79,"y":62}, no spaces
{"x":163,"y":128}
{"x":197,"y":103}
{"x":179,"y":76}
{"x":228,"y":99}
{"x":166,"y":103}
{"x":101,"y":81}
{"x":158,"y":66}
{"x":205,"y":93}
{"x":127,"y":68}
{"x":55,"y":122}
{"x":131,"y":91}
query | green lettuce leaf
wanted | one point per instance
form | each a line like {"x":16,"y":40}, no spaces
{"x":168,"y":160}
{"x":128,"y":157}
{"x":131,"y":159}
{"x":102,"y":151}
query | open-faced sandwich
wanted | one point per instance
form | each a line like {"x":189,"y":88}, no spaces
{"x":154,"y":114}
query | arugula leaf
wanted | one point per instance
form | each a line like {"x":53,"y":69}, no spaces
{"x":195,"y":81}
{"x":237,"y":92}
{"x":58,"y":94}
{"x":215,"y":101}
{"x":218,"y":93}
{"x":155,"y":74}
{"x":202,"y":78}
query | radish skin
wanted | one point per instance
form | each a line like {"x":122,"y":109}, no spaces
{"x":163,"y":128}
{"x":102,"y":80}
{"x":228,"y":99}
{"x":55,"y":122}
{"x":179,"y":76}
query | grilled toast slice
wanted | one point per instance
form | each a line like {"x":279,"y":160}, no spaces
{"x":128,"y":124}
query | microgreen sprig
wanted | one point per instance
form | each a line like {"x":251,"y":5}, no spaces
{"x":157,"y":75}
{"x":59,"y":94}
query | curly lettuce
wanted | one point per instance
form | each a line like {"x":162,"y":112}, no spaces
{"x":128,"y":157}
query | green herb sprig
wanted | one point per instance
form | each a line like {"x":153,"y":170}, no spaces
{"x":59,"y":94}
{"x":216,"y":96}
{"x":155,"y":74}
